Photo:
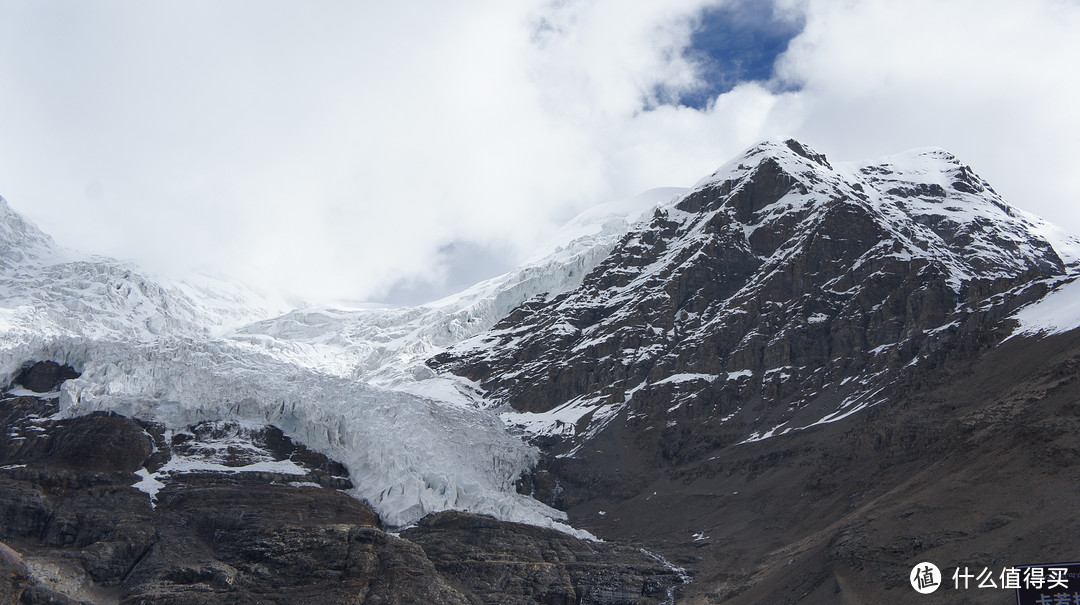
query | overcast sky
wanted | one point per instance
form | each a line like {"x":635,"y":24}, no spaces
{"x":395,"y":150}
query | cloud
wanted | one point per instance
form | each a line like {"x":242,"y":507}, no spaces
{"x":341,"y":149}
{"x":989,"y":80}
{"x":330,"y":150}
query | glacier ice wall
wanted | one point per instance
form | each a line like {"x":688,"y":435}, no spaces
{"x":408,"y":455}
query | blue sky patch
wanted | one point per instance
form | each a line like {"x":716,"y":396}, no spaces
{"x":733,"y":43}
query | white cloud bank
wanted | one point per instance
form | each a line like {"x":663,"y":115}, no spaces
{"x":332,"y":149}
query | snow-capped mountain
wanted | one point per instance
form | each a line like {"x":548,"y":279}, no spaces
{"x":782,"y":292}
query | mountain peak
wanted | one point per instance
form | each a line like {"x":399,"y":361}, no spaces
{"x":925,"y":201}
{"x":928,"y":167}
{"x":807,"y":153}
{"x":758,"y":177}
{"x":789,"y":154}
{"x":779,"y":147}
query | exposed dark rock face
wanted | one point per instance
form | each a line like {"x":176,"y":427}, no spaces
{"x":514,"y":563}
{"x":82,"y":533}
{"x":99,"y":442}
{"x":45,"y":376}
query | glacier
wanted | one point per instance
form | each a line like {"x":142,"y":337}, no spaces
{"x":348,"y":382}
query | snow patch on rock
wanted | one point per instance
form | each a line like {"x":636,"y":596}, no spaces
{"x":1055,"y":313}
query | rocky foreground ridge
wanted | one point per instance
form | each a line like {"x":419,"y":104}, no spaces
{"x":79,"y":526}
